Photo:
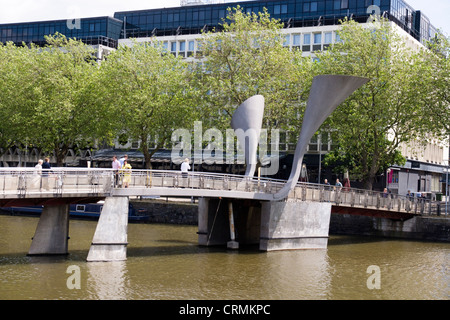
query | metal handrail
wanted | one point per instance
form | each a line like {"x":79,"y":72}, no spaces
{"x":24,"y":182}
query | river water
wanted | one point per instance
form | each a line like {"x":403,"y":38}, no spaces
{"x":165,"y":262}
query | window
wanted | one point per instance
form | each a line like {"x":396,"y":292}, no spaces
{"x":296,"y":40}
{"x":328,"y":37}
{"x":313,"y":6}
{"x":191,"y":45}
{"x":80,"y":208}
{"x":317,"y":41}
{"x":317,"y":38}
{"x":182,"y":49}
{"x":287,"y":40}
{"x":183,"y":46}
{"x":340,"y":4}
{"x":306,"y":42}
{"x":307,"y":38}
{"x":306,"y":7}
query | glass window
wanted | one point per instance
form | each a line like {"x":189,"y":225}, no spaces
{"x":306,"y":7}
{"x":277,"y":9}
{"x":284,"y":8}
{"x":317,"y":38}
{"x":337,"y":5}
{"x":173,"y":47}
{"x":287,"y":40}
{"x":183,"y":46}
{"x":296,"y":40}
{"x":328,"y":37}
{"x":307,"y":38}
{"x":191,"y":45}
{"x":313,"y":6}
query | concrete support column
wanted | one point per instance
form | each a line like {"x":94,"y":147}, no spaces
{"x":110,"y":238}
{"x":213,"y":225}
{"x":294,"y":225}
{"x":232,"y":244}
{"x":52,"y":232}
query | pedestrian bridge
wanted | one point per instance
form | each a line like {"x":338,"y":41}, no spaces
{"x":19,"y":186}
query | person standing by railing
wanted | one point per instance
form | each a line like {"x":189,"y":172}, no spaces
{"x":45,"y":173}
{"x":185,"y":167}
{"x":126,"y":171}
{"x":116,"y":167}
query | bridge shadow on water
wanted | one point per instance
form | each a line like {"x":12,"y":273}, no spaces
{"x":169,"y":247}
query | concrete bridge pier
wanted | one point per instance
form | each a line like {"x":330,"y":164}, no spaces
{"x":110,"y":238}
{"x":273,"y":225}
{"x":52,"y":232}
{"x":294,"y":225}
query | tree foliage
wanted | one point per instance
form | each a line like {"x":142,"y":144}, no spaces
{"x":371,"y":126}
{"x":148,"y":90}
{"x":246,"y":57}
{"x":50,"y":91}
{"x":436,"y":70}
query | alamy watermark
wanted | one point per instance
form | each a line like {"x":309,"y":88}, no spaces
{"x":74,"y":280}
{"x":75,"y":22}
{"x":374,"y":280}
{"x":228,"y":149}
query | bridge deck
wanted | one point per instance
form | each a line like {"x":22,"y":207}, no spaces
{"x":84,"y":183}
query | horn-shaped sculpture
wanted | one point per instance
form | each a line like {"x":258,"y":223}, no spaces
{"x":327,"y":93}
{"x":247,"y":123}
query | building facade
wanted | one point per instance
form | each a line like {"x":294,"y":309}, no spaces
{"x":309,"y":26}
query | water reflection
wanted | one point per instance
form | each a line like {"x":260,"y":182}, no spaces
{"x":107,"y":280}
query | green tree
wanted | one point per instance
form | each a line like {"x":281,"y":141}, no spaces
{"x":436,"y":85}
{"x":61,"y":111}
{"x":13,"y":95}
{"x":370,"y":127}
{"x":246,"y":57}
{"x":148,"y":90}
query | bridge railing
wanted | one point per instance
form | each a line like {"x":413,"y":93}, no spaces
{"x":21,"y":182}
{"x":361,"y":198}
{"x":199,"y":180}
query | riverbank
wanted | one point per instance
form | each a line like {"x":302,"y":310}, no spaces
{"x":184,"y":212}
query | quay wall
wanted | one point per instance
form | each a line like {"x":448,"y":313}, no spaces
{"x":418,"y":228}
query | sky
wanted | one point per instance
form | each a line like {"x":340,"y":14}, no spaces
{"x":38,"y":10}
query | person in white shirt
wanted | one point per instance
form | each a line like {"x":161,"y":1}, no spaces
{"x":185,"y":167}
{"x":116,"y":167}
